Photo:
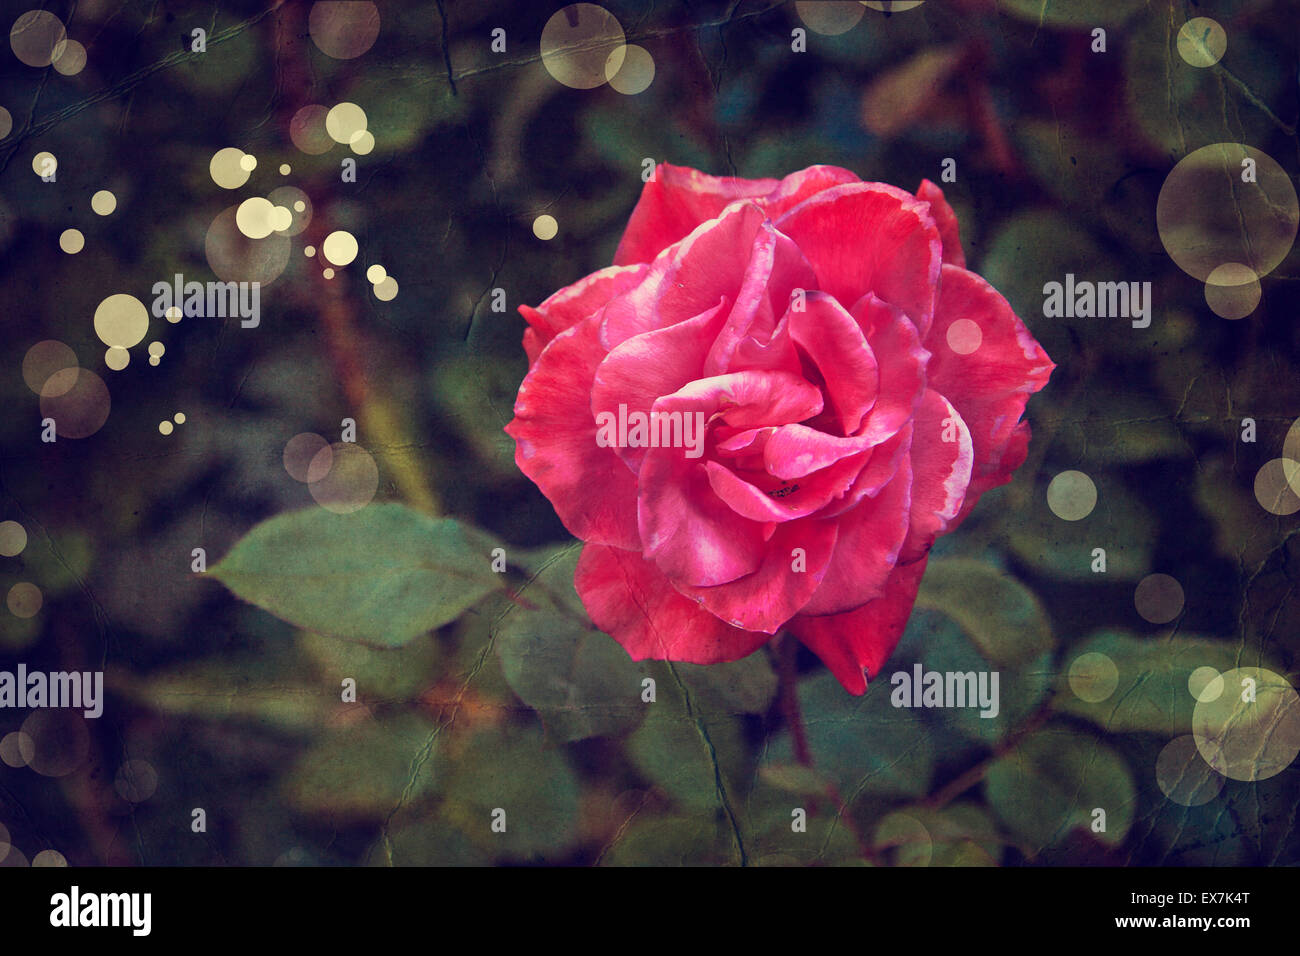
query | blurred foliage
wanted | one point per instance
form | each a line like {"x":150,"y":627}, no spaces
{"x":480,"y":692}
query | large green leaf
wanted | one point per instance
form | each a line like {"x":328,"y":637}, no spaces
{"x":700,"y":762}
{"x":366,"y":769}
{"x":1151,"y":680}
{"x":693,"y":742}
{"x":511,"y":769}
{"x":1052,"y":783}
{"x":382,"y":575}
{"x":579,"y":680}
{"x":746,"y":686}
{"x":1001,"y":616}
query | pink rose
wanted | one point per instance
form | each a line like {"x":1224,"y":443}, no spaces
{"x":763,"y":414}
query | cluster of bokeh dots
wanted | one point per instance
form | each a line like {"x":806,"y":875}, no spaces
{"x":56,"y":744}
{"x":584,"y":47}
{"x":166,"y":427}
{"x":315,"y":129}
{"x":1245,"y":726}
{"x":250,"y":241}
{"x":383,"y":285}
{"x":23,"y":599}
{"x":74,"y":397}
{"x":73,"y":240}
{"x":342,"y":477}
{"x":1246,"y":721}
{"x":833,"y":17}
{"x":39,"y":39}
{"x":1227,"y":215}
{"x":1277,"y":483}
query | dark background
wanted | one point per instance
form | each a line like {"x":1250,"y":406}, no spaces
{"x":1061,"y":154}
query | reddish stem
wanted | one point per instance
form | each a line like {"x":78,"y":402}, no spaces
{"x":788,"y":676}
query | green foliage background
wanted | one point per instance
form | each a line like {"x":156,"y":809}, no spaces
{"x":480,"y":691}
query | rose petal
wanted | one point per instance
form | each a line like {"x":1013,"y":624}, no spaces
{"x":679,"y":199}
{"x":691,"y":534}
{"x":576,"y":302}
{"x":592,"y":489}
{"x":761,"y":497}
{"x":798,"y":186}
{"x":869,"y":237}
{"x":752,"y":337}
{"x":630,"y":599}
{"x":688,"y":277}
{"x":793,"y":451}
{"x":834,"y":342}
{"x":990,"y":386}
{"x":941,"y":472}
{"x":870,"y":538}
{"x":674,"y":202}
{"x":646,"y":367}
{"x":901,"y":359}
{"x":768,"y":598}
{"x":882,"y":465}
{"x":946,"y":221}
{"x":863,"y":639}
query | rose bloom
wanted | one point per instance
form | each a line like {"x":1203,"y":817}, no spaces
{"x":859,"y":390}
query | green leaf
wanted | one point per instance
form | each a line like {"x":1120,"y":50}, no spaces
{"x":1001,"y":616}
{"x":579,"y":680}
{"x":382,"y":575}
{"x":425,"y":838}
{"x":476,"y":394}
{"x":382,"y":674}
{"x":1194,"y":107}
{"x":364,"y":770}
{"x":1051,"y":783}
{"x":1151,"y":692}
{"x":695,"y":839}
{"x":865,"y":744}
{"x":824,"y":838}
{"x":1120,"y":523}
{"x":746,"y":686}
{"x":959,"y":835}
{"x":698,"y":761}
{"x":1244,"y":532}
{"x":512,"y":769}
{"x":1118,"y":426}
{"x":939,"y":642}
